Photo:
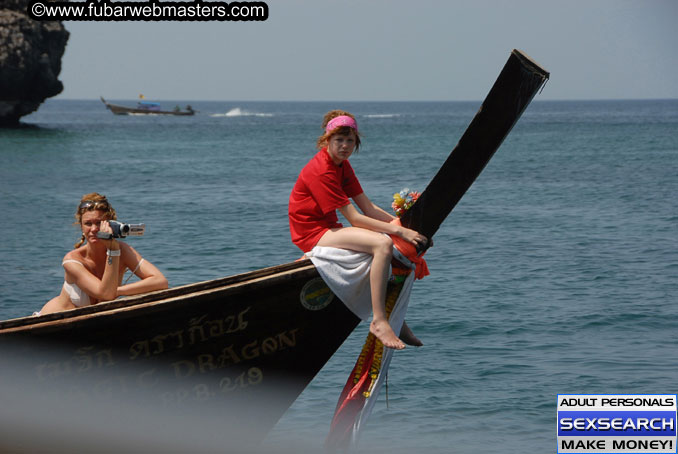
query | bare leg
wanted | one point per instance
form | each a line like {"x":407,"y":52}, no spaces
{"x":407,"y":336}
{"x":380,"y":247}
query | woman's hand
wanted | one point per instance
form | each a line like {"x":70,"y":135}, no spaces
{"x":111,"y":244}
{"x":413,"y":237}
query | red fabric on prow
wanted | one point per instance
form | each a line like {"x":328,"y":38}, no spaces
{"x":409,"y":251}
{"x":351,"y":402}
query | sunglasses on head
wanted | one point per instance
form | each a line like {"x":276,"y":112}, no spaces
{"x":93,"y":205}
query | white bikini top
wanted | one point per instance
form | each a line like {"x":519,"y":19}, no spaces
{"x":75,"y":293}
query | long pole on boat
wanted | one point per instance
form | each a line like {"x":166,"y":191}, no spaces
{"x":513,"y":90}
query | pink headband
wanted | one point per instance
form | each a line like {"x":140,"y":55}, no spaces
{"x":342,"y":120}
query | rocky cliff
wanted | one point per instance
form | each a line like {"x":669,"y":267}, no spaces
{"x":30,"y":61}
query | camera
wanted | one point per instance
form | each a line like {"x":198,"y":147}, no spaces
{"x":121,"y":230}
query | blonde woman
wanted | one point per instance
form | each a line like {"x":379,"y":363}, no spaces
{"x":93,"y":271}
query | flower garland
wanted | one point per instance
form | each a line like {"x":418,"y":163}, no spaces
{"x":403,"y":201}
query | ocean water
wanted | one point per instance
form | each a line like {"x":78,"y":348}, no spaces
{"x":556,"y":273}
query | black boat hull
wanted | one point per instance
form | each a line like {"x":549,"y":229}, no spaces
{"x":251,"y":342}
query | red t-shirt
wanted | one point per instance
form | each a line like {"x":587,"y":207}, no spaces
{"x":322,"y":188}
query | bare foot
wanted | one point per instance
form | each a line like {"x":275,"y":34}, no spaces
{"x":385,"y":334}
{"x":407,"y":336}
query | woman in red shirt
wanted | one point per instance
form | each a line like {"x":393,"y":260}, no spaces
{"x":325,"y":185}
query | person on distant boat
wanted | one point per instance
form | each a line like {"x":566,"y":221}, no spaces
{"x":94,"y":269}
{"x":325,"y":185}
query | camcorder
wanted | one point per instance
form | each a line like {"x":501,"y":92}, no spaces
{"x":121,"y":230}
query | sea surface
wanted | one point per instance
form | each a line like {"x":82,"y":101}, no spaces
{"x":557,"y":273}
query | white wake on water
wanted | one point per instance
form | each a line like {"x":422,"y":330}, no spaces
{"x":382,"y":115}
{"x":238,"y":112}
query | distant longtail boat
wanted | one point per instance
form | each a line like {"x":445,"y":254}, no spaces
{"x":146,"y":108}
